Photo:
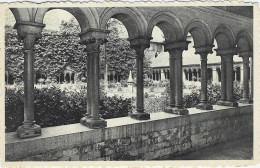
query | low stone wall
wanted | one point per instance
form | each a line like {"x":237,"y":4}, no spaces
{"x":162,"y":137}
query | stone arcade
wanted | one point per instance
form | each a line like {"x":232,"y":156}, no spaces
{"x":203,"y":23}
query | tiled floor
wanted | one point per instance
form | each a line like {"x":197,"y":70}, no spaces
{"x":241,"y":149}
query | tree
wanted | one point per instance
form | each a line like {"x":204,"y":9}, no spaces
{"x":57,"y":50}
{"x":14,"y":60}
{"x":120,"y":57}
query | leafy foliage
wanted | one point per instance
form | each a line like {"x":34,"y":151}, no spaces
{"x":55,"y":107}
{"x":57,"y":50}
{"x":191,"y":99}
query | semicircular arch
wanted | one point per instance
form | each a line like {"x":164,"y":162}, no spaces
{"x":86,"y":17}
{"x":130,"y":17}
{"x":244,"y":41}
{"x":169,"y":24}
{"x":200,"y":31}
{"x":225,"y":37}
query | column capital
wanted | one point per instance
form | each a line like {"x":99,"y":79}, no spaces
{"x":93,"y":33}
{"x":204,"y":50}
{"x":245,"y":53}
{"x":93,"y":45}
{"x":29,"y":32}
{"x":173,"y":46}
{"x":226,"y":52}
{"x":139,"y":44}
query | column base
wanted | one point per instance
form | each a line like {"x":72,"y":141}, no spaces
{"x":93,"y":123}
{"x":204,"y":106}
{"x":246,"y":101}
{"x":227,"y":103}
{"x":176,"y":110}
{"x":169,"y":109}
{"x":140,"y":116}
{"x":27,"y":131}
{"x":221,"y":102}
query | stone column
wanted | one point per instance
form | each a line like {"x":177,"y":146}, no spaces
{"x":70,"y":77}
{"x":230,"y":85}
{"x":139,"y":44}
{"x":175,"y":49}
{"x":245,"y":55}
{"x":172,"y":80}
{"x":183,"y":75}
{"x":252,"y":79}
{"x":223,"y":82}
{"x":235,"y":75}
{"x":204,"y":51}
{"x":241,"y":74}
{"x":197,"y":70}
{"x":93,"y":39}
{"x":162,"y":75}
{"x":29,"y":32}
{"x":227,"y":77}
{"x":215,"y":75}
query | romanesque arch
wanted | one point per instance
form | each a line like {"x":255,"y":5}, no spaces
{"x":131,"y":18}
{"x":244,"y":41}
{"x":86,"y":17}
{"x":225,"y":37}
{"x":200,"y":32}
{"x":169,"y":24}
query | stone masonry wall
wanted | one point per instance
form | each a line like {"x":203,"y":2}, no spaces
{"x":144,"y":140}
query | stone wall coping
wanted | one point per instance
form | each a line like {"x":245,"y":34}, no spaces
{"x":76,"y":135}
{"x":114,"y":122}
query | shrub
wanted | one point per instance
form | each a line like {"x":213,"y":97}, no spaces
{"x":123,"y":83}
{"x":114,"y":107}
{"x":146,"y":95}
{"x":111,"y":85}
{"x":54,"y":106}
{"x":148,"y":82}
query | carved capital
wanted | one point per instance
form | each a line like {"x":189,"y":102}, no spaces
{"x":92,"y":33}
{"x":29,"y":32}
{"x":181,"y":45}
{"x":226,"y":52}
{"x":93,"y":45}
{"x":204,"y":50}
{"x":139,"y":44}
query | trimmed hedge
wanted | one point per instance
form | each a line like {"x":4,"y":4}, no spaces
{"x":55,"y":107}
{"x":191,"y":99}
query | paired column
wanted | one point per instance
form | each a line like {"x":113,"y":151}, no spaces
{"x":93,"y":39}
{"x":29,"y":32}
{"x":139,"y":44}
{"x":176,"y":81}
{"x":245,"y":55}
{"x":204,"y":51}
{"x":227,"y":78}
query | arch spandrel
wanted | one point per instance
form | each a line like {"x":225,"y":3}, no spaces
{"x":225,"y":37}
{"x":200,"y":31}
{"x":131,"y":18}
{"x":169,"y":24}
{"x":86,"y":17}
